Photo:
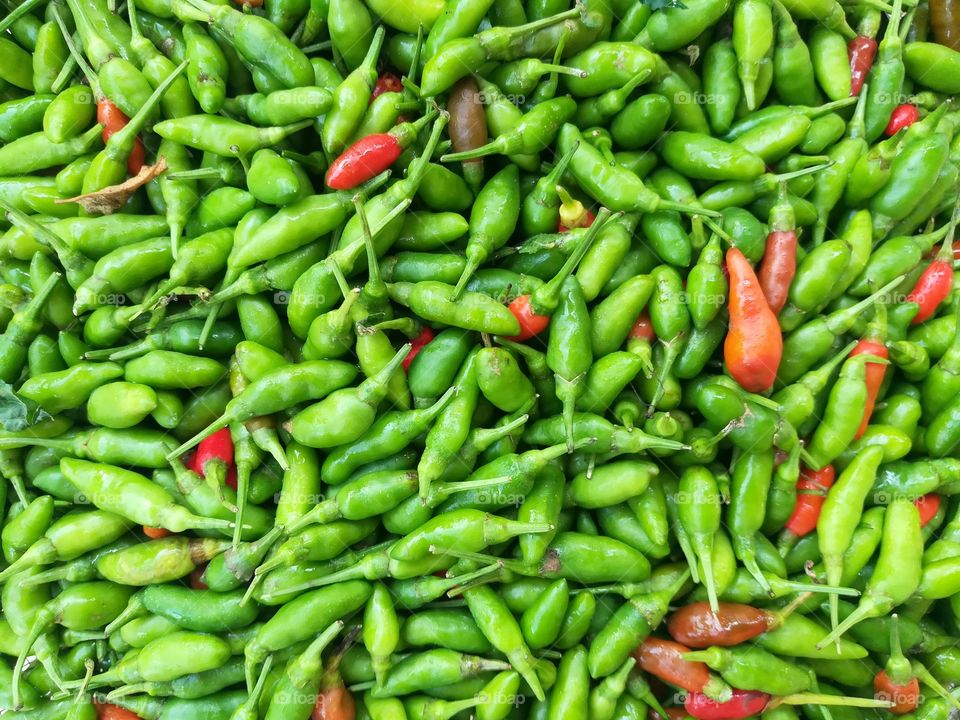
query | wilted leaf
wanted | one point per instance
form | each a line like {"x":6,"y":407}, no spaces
{"x":111,"y":199}
{"x":17,"y":414}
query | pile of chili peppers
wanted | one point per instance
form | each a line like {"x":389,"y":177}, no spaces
{"x":503,"y":359}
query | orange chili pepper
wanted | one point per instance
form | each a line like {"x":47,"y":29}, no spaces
{"x":754,"y":345}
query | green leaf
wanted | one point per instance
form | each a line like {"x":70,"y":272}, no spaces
{"x":17,"y":414}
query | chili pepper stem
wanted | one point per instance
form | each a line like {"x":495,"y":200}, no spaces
{"x":196,"y":174}
{"x":215,"y":473}
{"x":544,"y":299}
{"x":706,"y":563}
{"x":43,"y":619}
{"x":862,"y":612}
{"x":408,"y":326}
{"x":255,"y":581}
{"x":124,"y":690}
{"x":781,"y":177}
{"x":254,"y":694}
{"x":696,"y":210}
{"x":208,"y":326}
{"x":483,"y":576}
{"x":414,"y":68}
{"x":671,"y":353}
{"x":750,"y":563}
{"x":930,"y":681}
{"x":22,"y":9}
{"x":819,"y":699}
{"x":826,"y":589}
{"x":133,"y":609}
{"x":530,"y":27}
{"x":89,"y":75}
{"x":269,"y":443}
{"x":877,"y":4}
{"x":202,"y":11}
{"x":218,"y":424}
{"x":139,"y":121}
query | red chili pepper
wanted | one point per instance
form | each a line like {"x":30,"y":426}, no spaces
{"x":106,"y":711}
{"x":812,"y":490}
{"x":417,"y":344}
{"x":663,"y":659}
{"x":137,"y":158}
{"x":779,"y":263}
{"x":387,"y":82}
{"x":905,"y":698}
{"x":778,"y":267}
{"x":372,"y":155}
{"x":902,"y":116}
{"x":113,"y":119}
{"x":873,"y":343}
{"x":754,"y":345}
{"x":218,"y":446}
{"x":956,"y":251}
{"x":936,"y":282}
{"x":861,"y":51}
{"x":531,"y":323}
{"x":573,"y":213}
{"x":196,"y":578}
{"x":366,"y":158}
{"x":896,"y":682}
{"x":743,"y":704}
{"x":155,"y":533}
{"x":929,"y":506}
{"x":643,"y":328}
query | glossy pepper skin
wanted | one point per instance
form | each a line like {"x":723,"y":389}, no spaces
{"x":663,"y":659}
{"x":873,"y":344}
{"x":544,"y":270}
{"x":812,"y":488}
{"x":371,"y":155}
{"x":754,"y":343}
{"x":933,"y":286}
{"x":779,"y":264}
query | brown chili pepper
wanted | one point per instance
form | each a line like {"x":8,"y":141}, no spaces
{"x":945,"y":22}
{"x":697,"y":626}
{"x":468,"y":127}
